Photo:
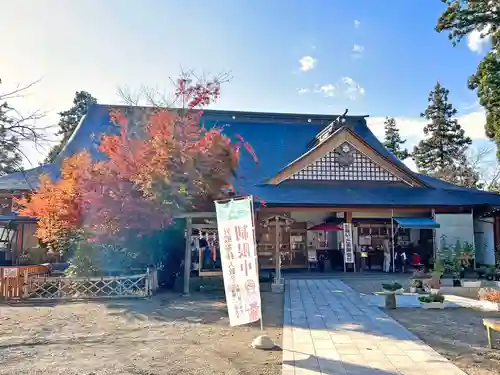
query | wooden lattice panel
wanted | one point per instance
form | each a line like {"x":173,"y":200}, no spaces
{"x":80,"y":287}
{"x":342,"y":165}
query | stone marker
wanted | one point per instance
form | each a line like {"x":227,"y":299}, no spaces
{"x":263,"y":342}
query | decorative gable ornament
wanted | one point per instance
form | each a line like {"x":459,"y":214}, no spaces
{"x":345,"y":156}
{"x":345,"y":163}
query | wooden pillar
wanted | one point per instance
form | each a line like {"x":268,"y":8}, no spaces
{"x":474,"y":237}
{"x":278,"y":253}
{"x":393,"y":239}
{"x":187,"y":255}
{"x":434,"y":240}
{"x":495,"y":231}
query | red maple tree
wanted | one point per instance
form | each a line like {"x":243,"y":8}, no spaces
{"x":175,"y":165}
{"x":59,"y":204}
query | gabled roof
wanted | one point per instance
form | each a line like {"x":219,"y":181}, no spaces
{"x":278,"y":140}
{"x":326,"y":145}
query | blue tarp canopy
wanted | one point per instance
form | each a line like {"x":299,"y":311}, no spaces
{"x":416,"y":222}
{"x":17,"y":218}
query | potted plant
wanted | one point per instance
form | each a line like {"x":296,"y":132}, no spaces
{"x":491,"y":300}
{"x":438,"y":268}
{"x":469,"y":283}
{"x":457,"y":271}
{"x":481,"y":272}
{"x":433,"y":284}
{"x":433,"y":301}
{"x":490,"y":273}
{"x":416,"y":285}
{"x":394,"y":287}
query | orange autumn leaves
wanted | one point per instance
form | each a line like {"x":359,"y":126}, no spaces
{"x":141,"y":185}
{"x":58,"y":205}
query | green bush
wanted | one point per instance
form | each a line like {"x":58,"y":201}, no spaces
{"x":432,"y":298}
{"x":392,"y":286}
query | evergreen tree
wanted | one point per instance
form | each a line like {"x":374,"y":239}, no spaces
{"x":69,"y":121}
{"x":462,"y":17}
{"x":392,"y":139}
{"x":10,"y":157}
{"x":442,"y":152}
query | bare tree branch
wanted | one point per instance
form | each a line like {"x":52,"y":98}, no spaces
{"x":18,"y":129}
{"x":18,"y":92}
{"x":160,"y":98}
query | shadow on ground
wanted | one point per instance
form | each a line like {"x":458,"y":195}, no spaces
{"x":329,"y":366}
{"x":202,"y":307}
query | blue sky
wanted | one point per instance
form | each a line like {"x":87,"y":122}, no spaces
{"x":373,"y":57}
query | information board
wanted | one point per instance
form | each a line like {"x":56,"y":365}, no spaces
{"x":348,"y":246}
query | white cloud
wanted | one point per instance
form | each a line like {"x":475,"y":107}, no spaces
{"x":327,"y":90}
{"x":476,"y":42}
{"x":345,"y":86}
{"x":351,"y":88}
{"x":307,"y":63}
{"x":412,"y":129}
{"x":356,"y":24}
{"x":358,"y":49}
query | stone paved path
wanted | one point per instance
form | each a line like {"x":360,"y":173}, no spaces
{"x":328,"y":329}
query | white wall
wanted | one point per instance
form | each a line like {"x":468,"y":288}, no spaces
{"x":455,"y":227}
{"x":484,"y":236}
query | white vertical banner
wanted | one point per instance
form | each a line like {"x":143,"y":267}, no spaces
{"x":239,"y":260}
{"x":348,"y":247}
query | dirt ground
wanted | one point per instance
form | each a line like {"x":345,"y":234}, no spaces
{"x":167,"y":334}
{"x":458,"y":334}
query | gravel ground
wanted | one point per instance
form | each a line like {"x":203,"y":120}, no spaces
{"x":167,"y":334}
{"x":458,"y":334}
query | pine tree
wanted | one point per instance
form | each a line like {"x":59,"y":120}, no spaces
{"x":443,"y":150}
{"x":69,"y":121}
{"x":460,"y":18}
{"x":10,"y":157}
{"x":392,"y":139}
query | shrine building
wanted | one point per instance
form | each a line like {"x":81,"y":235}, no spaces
{"x":316,"y":173}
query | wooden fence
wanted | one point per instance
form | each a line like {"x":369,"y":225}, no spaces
{"x":34,"y":282}
{"x":13,"y":279}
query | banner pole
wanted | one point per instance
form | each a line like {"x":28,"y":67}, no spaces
{"x":256,"y":258}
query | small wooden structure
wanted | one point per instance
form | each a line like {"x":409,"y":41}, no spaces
{"x":279,"y":222}
{"x":14,"y":279}
{"x":16,"y":236}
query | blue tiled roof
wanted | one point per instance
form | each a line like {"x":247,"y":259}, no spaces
{"x":278,"y":139}
{"x":342,"y":196}
{"x":28,"y":179}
